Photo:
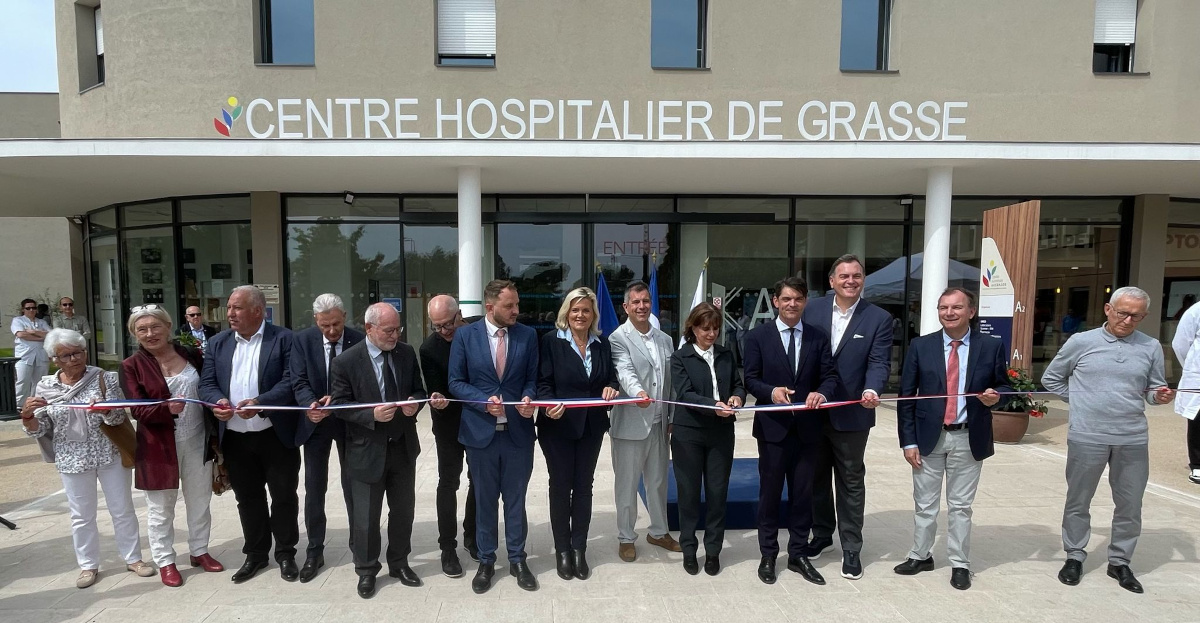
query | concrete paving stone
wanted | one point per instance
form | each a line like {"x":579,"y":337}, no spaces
{"x":609,"y":610}
{"x":372,"y":611}
{"x":844,"y":608}
{"x":494,"y":611}
{"x":40,"y":615}
{"x":721,"y":609}
{"x":267,"y":613}
{"x":194,"y":614}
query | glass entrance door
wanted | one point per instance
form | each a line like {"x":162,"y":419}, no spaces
{"x":545,"y":262}
{"x":628,"y":252}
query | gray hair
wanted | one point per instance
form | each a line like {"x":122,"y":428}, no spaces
{"x":633,"y":287}
{"x":328,"y":302}
{"x":375,"y":312}
{"x":1132,"y":292}
{"x":62,"y":337}
{"x":253,"y":293}
{"x":155,"y":312}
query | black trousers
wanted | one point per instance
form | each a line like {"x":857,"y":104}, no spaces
{"x":571,"y":465}
{"x":450,"y":455}
{"x":702,"y":458}
{"x":399,"y":485}
{"x":789,"y":463}
{"x":316,"y":480}
{"x":840,"y":463}
{"x":258,"y":462}
{"x":1193,"y":442}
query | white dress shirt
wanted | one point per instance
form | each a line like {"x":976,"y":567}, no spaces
{"x":341,"y":347}
{"x":784,"y":335}
{"x":243,"y":380}
{"x":376,"y":354}
{"x":963,"y":350}
{"x":709,"y":357}
{"x":656,"y":363}
{"x":30,"y":351}
{"x":841,"y":320}
{"x":493,"y":341}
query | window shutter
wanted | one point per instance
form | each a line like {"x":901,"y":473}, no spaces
{"x":1116,"y":21}
{"x":467,"y":27}
{"x":99,"y":33}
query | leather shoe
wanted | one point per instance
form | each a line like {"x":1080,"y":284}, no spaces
{"x":817,"y":546}
{"x":960,"y":578}
{"x":712,"y":565}
{"x":406,"y":575}
{"x":1070,"y":572}
{"x":366,"y":586}
{"x":249,"y":569}
{"x":451,"y":567}
{"x":288,"y":569}
{"x":580,"y":563}
{"x":209,"y":563}
{"x":525,"y":578}
{"x":666,"y":542}
{"x":483,"y":578}
{"x":912,"y":566}
{"x":310,"y":568}
{"x":565,"y":565}
{"x":627,"y":552}
{"x":1124,"y":576}
{"x":801,"y":565}
{"x":690,"y":564}
{"x":170,"y":575}
{"x":766,"y":570}
{"x":851,"y":566}
{"x":473,"y":552}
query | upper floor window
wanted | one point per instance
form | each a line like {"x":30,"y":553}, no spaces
{"x":866,"y":28}
{"x":285,"y":32}
{"x":99,"y":46}
{"x":466,"y":32}
{"x":1116,"y":23}
{"x":679,"y":34}
{"x":89,"y":45}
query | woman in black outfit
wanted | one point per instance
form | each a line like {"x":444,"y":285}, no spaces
{"x":702,"y":439}
{"x":576,"y":362}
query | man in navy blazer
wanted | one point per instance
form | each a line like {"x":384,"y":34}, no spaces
{"x":491,"y":362}
{"x":788,"y":361}
{"x":949,"y":437}
{"x":860,"y":336}
{"x":313,"y":351}
{"x":247,"y":365}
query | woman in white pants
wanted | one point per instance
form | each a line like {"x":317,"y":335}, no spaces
{"x":83,"y":454}
{"x":174,"y":440}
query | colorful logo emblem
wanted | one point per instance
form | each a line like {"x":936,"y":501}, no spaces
{"x":224,"y":123}
{"x":987,"y":274}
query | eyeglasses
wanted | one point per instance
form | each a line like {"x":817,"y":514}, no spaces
{"x":79,"y":354}
{"x":30,"y":308}
{"x":392,"y":331}
{"x":144,"y":308}
{"x":438,"y":328}
{"x":67,"y":304}
{"x":1124,"y":315}
{"x":196,"y":315}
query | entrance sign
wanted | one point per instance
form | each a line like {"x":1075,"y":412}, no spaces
{"x":1008,"y":278}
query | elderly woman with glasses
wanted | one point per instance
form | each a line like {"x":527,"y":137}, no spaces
{"x":83,"y":454}
{"x":576,"y":362}
{"x":176,"y":440}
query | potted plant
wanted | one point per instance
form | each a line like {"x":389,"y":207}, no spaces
{"x":1010,"y":416}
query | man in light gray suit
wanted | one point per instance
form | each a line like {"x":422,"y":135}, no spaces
{"x":641,"y":355}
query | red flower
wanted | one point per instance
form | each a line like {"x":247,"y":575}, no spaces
{"x":1012,"y":374}
{"x":1036,"y":413}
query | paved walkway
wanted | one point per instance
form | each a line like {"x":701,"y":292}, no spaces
{"x":1016,"y":554}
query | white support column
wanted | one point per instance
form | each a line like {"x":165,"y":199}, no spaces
{"x":470,"y":242}
{"x":936,"y":259}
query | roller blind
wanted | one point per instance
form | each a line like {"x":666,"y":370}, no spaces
{"x":99,"y":33}
{"x":467,"y":27}
{"x":1116,"y":21}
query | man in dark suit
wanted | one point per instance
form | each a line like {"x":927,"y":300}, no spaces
{"x":788,"y":361}
{"x":244,"y":366}
{"x":313,"y":352}
{"x":195,"y":326}
{"x":860,"y":336}
{"x":381,"y":445}
{"x":435,"y":366}
{"x":491,"y":362}
{"x":949,"y":437}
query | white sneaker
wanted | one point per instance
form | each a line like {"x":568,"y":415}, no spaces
{"x":1195,"y":476}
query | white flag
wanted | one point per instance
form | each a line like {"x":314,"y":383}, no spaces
{"x":697,"y":298}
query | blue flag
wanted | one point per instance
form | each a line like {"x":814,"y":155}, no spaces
{"x":654,"y":309}
{"x":608,"y":313}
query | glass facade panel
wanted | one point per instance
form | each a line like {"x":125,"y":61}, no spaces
{"x":965,"y":209}
{"x":215,"y":209}
{"x":431,"y":268}
{"x":157,"y":213}
{"x":360,"y":263}
{"x":631,"y":204}
{"x":102,"y":221}
{"x":216,"y":259}
{"x":624,"y":253}
{"x":291,"y":32}
{"x":1090,"y":210}
{"x":444,"y":204}
{"x":677,"y":34}
{"x":850,"y":209}
{"x":107,"y":301}
{"x":542,"y":204}
{"x":780,"y":207}
{"x":150,"y":268}
{"x":545,"y":261}
{"x":363,"y":208}
{"x":865,"y":34}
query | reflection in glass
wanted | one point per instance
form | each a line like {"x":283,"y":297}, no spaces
{"x":291,"y":32}
{"x":235,"y":208}
{"x":157,"y":213}
{"x":150,"y":271}
{"x":677,"y":33}
{"x":745,"y":261}
{"x":625,"y":252}
{"x":216,"y":259}
{"x":865,"y":34}
{"x":360,"y":263}
{"x":364,"y":208}
{"x":545,"y":261}
{"x":431,"y":268}
{"x":109,"y":335}
{"x":781,"y":208}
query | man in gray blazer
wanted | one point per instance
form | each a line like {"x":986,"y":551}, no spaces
{"x":641,"y":354}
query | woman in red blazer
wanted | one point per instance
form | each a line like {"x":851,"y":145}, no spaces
{"x":175,"y":440}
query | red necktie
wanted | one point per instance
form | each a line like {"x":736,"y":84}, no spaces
{"x":952,"y":383}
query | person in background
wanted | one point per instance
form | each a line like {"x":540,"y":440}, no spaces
{"x":29,"y":332}
{"x":176,"y":440}
{"x":68,"y":319}
{"x":195,"y":327}
{"x":1186,"y":345}
{"x":83,"y":454}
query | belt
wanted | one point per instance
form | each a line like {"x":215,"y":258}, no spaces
{"x":952,"y":427}
{"x":502,"y":427}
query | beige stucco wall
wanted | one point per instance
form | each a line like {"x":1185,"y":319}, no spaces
{"x":1023,"y":66}
{"x":39,"y":262}
{"x":29,"y":115}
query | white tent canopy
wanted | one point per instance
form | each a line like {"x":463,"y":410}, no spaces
{"x":886,"y":285}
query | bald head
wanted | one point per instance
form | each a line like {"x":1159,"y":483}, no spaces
{"x":444,"y":316}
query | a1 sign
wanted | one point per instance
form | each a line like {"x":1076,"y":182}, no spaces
{"x":717,"y":302}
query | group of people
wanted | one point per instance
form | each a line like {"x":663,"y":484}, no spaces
{"x":481,"y":379}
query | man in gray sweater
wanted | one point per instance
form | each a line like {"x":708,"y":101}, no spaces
{"x":1108,"y":375}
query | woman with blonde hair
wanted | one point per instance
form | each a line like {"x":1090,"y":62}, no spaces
{"x":175,"y":440}
{"x":576,"y":362}
{"x":82,"y":452}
